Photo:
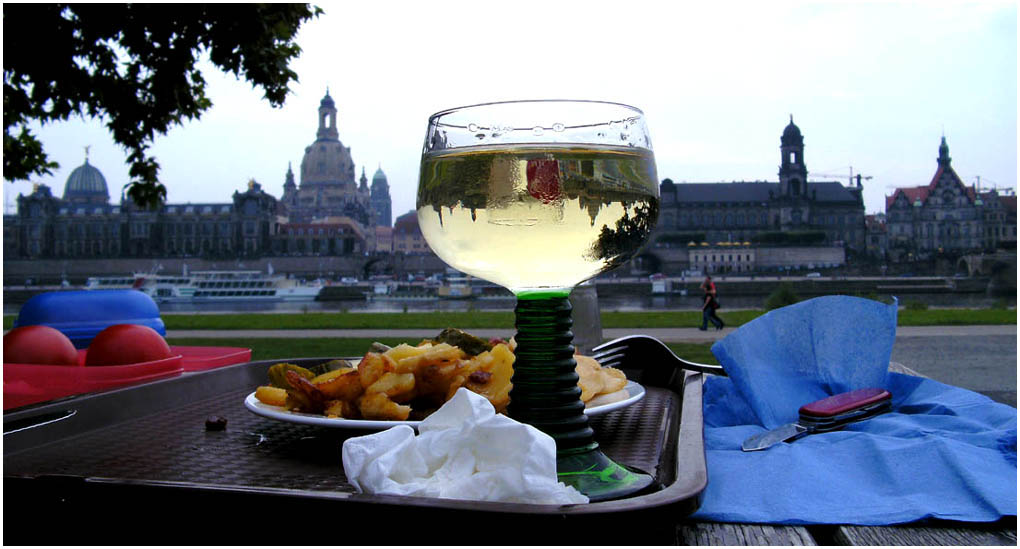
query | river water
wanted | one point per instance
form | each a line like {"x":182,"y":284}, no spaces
{"x":632,"y":303}
{"x":628,"y":303}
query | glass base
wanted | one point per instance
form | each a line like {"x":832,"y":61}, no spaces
{"x":595,"y":475}
{"x":545,"y":395}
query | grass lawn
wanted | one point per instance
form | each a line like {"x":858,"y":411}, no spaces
{"x":505,"y":319}
{"x":500,"y":319}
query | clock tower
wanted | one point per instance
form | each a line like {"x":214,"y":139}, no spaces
{"x":792,"y":170}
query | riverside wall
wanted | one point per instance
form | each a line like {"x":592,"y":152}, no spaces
{"x":47,"y":275}
{"x":52,"y":271}
{"x":765,"y":285}
{"x":758,"y":287}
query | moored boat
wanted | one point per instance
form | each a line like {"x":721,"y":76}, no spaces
{"x":455,"y":287}
{"x":209,"y":286}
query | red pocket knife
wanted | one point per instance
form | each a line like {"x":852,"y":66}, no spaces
{"x":828,"y":414}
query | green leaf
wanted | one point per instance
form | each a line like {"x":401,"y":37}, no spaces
{"x":134,"y":65}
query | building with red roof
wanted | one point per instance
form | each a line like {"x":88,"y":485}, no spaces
{"x":877,"y":235}
{"x":947,"y":216}
{"x":407,"y":237}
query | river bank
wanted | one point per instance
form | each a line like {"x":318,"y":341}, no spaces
{"x":296,"y":322}
{"x":615,"y":294}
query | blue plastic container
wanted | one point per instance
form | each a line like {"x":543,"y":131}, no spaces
{"x":82,"y":314}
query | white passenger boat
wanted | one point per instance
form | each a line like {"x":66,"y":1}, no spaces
{"x":207,"y":286}
{"x":456,"y":287}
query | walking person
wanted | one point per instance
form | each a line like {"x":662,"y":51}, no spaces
{"x":708,"y":306}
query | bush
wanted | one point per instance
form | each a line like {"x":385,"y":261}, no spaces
{"x":875,"y":297}
{"x":781,"y":297}
{"x":916,"y":305}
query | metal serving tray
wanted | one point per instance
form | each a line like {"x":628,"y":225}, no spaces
{"x":138,"y":465}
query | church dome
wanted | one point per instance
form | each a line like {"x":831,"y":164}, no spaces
{"x":86,"y":184}
{"x":379,"y":177}
{"x":791,"y":135}
{"x":327,"y":160}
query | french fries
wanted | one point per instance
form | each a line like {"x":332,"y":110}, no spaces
{"x":273,"y":396}
{"x":342,"y":384}
{"x":596,"y":380}
{"x":407,"y":381}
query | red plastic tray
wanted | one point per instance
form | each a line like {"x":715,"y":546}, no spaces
{"x":197,"y":359}
{"x":26,"y":384}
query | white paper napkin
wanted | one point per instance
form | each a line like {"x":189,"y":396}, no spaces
{"x":465,"y":450}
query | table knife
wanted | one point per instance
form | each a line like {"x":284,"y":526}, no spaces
{"x":827,"y":414}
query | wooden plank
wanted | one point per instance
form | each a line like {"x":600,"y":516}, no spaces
{"x":717,"y":533}
{"x":958,"y":534}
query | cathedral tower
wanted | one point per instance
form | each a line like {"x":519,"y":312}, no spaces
{"x":327,"y":119}
{"x":327,"y":161}
{"x":381,"y":202}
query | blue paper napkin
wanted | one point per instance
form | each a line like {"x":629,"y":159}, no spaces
{"x":942,"y":452}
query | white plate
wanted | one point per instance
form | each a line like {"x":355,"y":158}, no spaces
{"x":635,"y":391}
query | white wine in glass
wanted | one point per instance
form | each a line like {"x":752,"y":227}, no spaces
{"x":539,"y":196}
{"x":537,"y":218}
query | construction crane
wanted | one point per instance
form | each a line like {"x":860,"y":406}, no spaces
{"x":859,"y":176}
{"x":995,"y":187}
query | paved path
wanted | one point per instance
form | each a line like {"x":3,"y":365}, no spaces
{"x":672,"y":335}
{"x":978,"y":358}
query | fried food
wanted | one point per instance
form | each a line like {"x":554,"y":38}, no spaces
{"x":379,"y":407}
{"x":347,"y":409}
{"x":278,"y":377}
{"x":397,"y":387}
{"x":608,"y":398}
{"x":373,"y":366}
{"x":273,"y":396}
{"x":492,"y":377}
{"x":342,"y":384}
{"x":595,"y":380}
{"x":589,"y":379}
{"x":303,"y":396}
{"x":395,"y":383}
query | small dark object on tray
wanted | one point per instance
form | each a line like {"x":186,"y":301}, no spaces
{"x":471,"y":345}
{"x":216,"y":423}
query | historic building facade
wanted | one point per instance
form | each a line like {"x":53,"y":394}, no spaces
{"x":947,"y":217}
{"x":407,"y":237}
{"x":329,"y":213}
{"x":327,"y":187}
{"x":792,"y":211}
{"x":46,"y":226}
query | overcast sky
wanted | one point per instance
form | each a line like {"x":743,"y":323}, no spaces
{"x":872,"y":86}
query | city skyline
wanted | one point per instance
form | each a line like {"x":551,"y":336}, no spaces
{"x":872,"y":86}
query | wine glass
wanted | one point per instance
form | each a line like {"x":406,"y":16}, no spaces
{"x":539,"y":196}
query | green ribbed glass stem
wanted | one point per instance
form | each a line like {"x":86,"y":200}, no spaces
{"x":545,"y":395}
{"x":545,"y":392}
